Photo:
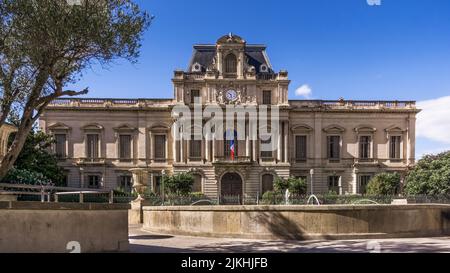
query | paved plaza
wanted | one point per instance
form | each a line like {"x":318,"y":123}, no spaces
{"x":146,"y":242}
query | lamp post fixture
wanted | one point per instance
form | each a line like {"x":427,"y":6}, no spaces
{"x":311,"y":172}
{"x":163,"y":173}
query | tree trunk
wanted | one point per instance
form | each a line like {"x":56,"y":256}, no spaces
{"x":17,"y":145}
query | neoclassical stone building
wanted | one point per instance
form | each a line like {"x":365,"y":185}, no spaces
{"x":336,"y":145}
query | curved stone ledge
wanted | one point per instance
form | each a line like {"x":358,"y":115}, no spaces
{"x":301,"y":222}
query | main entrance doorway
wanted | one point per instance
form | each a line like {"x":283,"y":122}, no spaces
{"x":231,"y":189}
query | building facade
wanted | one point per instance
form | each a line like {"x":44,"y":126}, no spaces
{"x":335,"y":145}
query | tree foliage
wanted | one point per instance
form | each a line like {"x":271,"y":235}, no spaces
{"x":430,"y":176}
{"x":384,"y":184}
{"x":46,"y":44}
{"x":36,"y":162}
{"x":180,"y":184}
{"x":295,"y":185}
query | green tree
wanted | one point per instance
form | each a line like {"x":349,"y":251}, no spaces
{"x":36,"y":156}
{"x":46,"y":44}
{"x":180,"y":184}
{"x":280,"y":184}
{"x":295,"y":185}
{"x":384,"y":184}
{"x":431,"y":175}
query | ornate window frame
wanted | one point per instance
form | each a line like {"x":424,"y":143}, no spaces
{"x":302,"y":130}
{"x":94,"y":128}
{"x":391,"y":131}
{"x":366,"y":130}
{"x":155,"y":130}
{"x":61,"y":129}
{"x":334,"y":130}
{"x":126,"y":129}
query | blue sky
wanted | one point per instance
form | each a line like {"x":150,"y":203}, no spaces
{"x":339,"y":48}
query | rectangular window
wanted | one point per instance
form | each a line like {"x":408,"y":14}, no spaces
{"x":92,"y":146}
{"x":160,"y":147}
{"x":125,"y":183}
{"x":94,"y":181}
{"x":333,"y":184}
{"x":364,"y":147}
{"x":125,"y":146}
{"x":266,"y":143}
{"x":267,"y":97}
{"x":395,"y":147}
{"x":300,"y":148}
{"x":363,"y":181}
{"x":60,"y":145}
{"x":195,"y":149}
{"x":334,"y":147}
{"x":195,"y":95}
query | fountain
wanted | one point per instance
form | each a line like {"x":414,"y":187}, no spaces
{"x":287,"y":194}
{"x":313,"y":197}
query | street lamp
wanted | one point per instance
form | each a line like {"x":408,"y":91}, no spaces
{"x":163,"y":173}
{"x":311,"y":172}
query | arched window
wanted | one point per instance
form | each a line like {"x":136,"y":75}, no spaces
{"x":230,"y":64}
{"x":197,"y":186}
{"x":267,"y":183}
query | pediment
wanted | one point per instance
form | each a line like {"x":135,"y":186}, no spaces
{"x":92,"y":126}
{"x":365,"y":129}
{"x":301,"y":128}
{"x":334,"y":129}
{"x":125,"y":127}
{"x":59,"y":126}
{"x":394,"y":128}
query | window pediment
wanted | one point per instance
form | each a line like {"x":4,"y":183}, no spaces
{"x":301,"y":128}
{"x":365,"y":129}
{"x":59,"y":127}
{"x":92,"y":127}
{"x":394,"y":129}
{"x":334,"y":129}
{"x":160,"y":127}
{"x":125,"y":128}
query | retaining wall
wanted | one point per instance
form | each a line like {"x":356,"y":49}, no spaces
{"x":49,"y":227}
{"x":301,"y":222}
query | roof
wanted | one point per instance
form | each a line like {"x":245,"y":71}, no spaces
{"x":205,"y":54}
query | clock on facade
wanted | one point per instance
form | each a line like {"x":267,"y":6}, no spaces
{"x":231,"y":95}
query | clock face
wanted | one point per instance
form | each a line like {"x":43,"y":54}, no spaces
{"x":231,"y":95}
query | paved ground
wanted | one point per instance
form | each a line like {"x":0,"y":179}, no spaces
{"x":146,"y":242}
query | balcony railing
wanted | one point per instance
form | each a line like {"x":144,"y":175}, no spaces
{"x":106,"y":103}
{"x":229,"y":160}
{"x":352,"y":104}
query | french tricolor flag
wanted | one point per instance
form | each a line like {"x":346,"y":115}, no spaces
{"x":232,"y":149}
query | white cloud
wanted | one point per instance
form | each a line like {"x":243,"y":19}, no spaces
{"x":304,"y":91}
{"x":434,"y":121}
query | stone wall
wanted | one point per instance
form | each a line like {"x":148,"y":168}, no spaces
{"x":301,"y":222}
{"x":49,"y":227}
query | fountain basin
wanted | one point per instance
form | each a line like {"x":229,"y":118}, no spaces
{"x":301,"y":222}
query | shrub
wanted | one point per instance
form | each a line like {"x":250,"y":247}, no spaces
{"x":180,"y":184}
{"x":269,"y":198}
{"x":297,"y":185}
{"x":384,"y":184}
{"x":17,"y":176}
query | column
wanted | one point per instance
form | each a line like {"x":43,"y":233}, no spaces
{"x":247,"y":142}
{"x":340,"y":185}
{"x":181,"y":149}
{"x":213,"y":148}
{"x":254,"y":141}
{"x":279,"y":146}
{"x":174,"y":148}
{"x":286,"y":142}
{"x":152,"y":150}
{"x":206,"y":143}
